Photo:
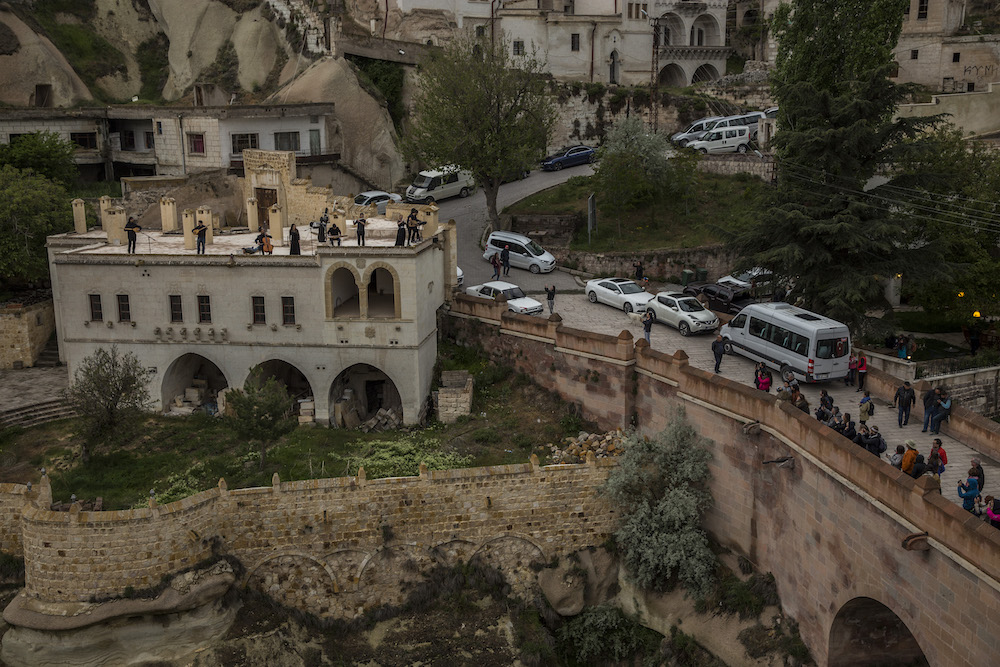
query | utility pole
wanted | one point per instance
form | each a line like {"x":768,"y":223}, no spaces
{"x":654,"y":79}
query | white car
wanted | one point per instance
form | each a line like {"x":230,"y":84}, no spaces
{"x":517,"y":302}
{"x":684,"y":313}
{"x":744,"y":280}
{"x":379,"y":198}
{"x":461,"y":276}
{"x":618,"y":292}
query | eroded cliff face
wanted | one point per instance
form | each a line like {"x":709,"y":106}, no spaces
{"x":28,"y":60}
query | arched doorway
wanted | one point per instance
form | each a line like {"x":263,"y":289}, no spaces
{"x":292,"y":378}
{"x":866,"y":633}
{"x":381,"y":293}
{"x":672,"y":30}
{"x":191,"y":382}
{"x":673,"y":76}
{"x":705,"y":31}
{"x":344,"y":292}
{"x":614,"y":67}
{"x":359,"y":392}
{"x":706,"y":72}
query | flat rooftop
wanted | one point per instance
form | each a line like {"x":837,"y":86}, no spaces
{"x":379,"y":232}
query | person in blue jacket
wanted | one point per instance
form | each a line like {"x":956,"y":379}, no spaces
{"x":968,"y":490}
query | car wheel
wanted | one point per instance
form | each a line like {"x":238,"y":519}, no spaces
{"x":592,"y":158}
{"x":429,"y":201}
{"x":464,"y":192}
{"x":534,"y":268}
{"x":786,"y":373}
{"x":627,"y":307}
{"x":593,"y":297}
{"x":703,"y":151}
{"x":727,"y":347}
{"x":557,"y":166}
{"x":684,"y":329}
{"x":743,"y":148}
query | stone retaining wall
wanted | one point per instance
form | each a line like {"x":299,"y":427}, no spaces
{"x":665,"y":263}
{"x":550,"y":231}
{"x":24,"y":332}
{"x":761,"y":166}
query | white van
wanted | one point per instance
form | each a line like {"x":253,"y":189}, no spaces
{"x":524,"y":252}
{"x":724,"y":140}
{"x":747,"y":119}
{"x":435,"y":185}
{"x":694,"y":131}
{"x":795,"y":341}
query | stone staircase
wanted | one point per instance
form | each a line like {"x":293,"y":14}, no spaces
{"x":307,"y":20}
{"x":36,"y":413}
{"x":49,"y":358}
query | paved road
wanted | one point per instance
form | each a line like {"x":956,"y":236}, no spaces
{"x":472,"y":218}
{"x":579,"y":313}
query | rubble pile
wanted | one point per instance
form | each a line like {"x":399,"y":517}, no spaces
{"x":574,"y":450}
{"x":384,"y":420}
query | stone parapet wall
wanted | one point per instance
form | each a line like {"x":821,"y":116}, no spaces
{"x":11,"y":505}
{"x":763,"y":167}
{"x":333,"y":526}
{"x":548,"y":230}
{"x":664,"y":263}
{"x":24,"y":332}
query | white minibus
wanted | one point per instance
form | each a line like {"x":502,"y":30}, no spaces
{"x":793,"y":340}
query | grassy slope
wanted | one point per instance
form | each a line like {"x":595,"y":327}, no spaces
{"x":720,"y":204}
{"x":511,"y":419}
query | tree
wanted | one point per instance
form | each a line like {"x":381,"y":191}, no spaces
{"x":837,"y":241}
{"x":660,"y":488}
{"x":110,"y":391}
{"x":31,"y":208}
{"x":484,"y":109}
{"x":44,"y":153}
{"x":261,"y":411}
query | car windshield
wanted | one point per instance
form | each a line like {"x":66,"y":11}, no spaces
{"x":422,"y":181}
{"x":513,"y":293}
{"x":690,"y":305}
{"x":629,"y":288}
{"x":535,"y":249}
{"x":361,"y":199}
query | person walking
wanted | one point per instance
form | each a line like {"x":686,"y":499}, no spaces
{"x":862,"y":371}
{"x":904,"y":399}
{"x":550,"y":296}
{"x":505,"y":259}
{"x":718,"y":349}
{"x":360,"y":225}
{"x":866,"y":408}
{"x":294,"y":246}
{"x":201,"y":230}
{"x":941,"y":412}
{"x":132,"y":227}
{"x":647,"y":328}
{"x":495,"y":263}
{"x":639,"y":272}
{"x":930,"y":405}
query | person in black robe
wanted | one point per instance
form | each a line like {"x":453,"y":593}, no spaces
{"x":293,"y":241}
{"x":400,"y":231}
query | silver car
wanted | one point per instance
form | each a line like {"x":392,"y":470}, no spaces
{"x":694,"y":131}
{"x":684,"y":313}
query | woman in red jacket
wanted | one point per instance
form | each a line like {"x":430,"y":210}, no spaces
{"x":862,"y":371}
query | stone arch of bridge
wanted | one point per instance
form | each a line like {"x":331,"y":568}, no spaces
{"x":292,"y":554}
{"x":867,"y":632}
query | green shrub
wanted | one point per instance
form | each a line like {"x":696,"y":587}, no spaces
{"x":486,"y":435}
{"x":153,"y":67}
{"x":661,"y":488}
{"x":604,"y":634}
{"x":402,"y":458}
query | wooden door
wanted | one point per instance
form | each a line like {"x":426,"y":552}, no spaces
{"x":266,"y":198}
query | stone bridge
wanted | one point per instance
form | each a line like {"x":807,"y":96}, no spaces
{"x":876,"y":567}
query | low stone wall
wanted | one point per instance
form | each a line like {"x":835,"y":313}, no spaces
{"x":549,"y":231}
{"x":24,"y":332}
{"x":763,"y":167}
{"x":664,"y":263}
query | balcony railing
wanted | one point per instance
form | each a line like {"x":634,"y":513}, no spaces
{"x":671,"y":53}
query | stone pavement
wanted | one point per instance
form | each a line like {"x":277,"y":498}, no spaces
{"x":31,"y":385}
{"x":579,"y":313}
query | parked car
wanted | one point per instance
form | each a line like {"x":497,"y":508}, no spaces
{"x":569,"y":157}
{"x":618,"y":292}
{"x":720,"y":298}
{"x":524,"y":252}
{"x":461,"y":276}
{"x":723,"y":140}
{"x":694,"y":131}
{"x":748,"y":120}
{"x":684,"y":313}
{"x":758,"y":278}
{"x":771,"y":113}
{"x":379,"y":198}
{"x":517,"y":302}
{"x":434,"y":185}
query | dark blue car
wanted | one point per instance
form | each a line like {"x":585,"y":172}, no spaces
{"x":569,"y":157}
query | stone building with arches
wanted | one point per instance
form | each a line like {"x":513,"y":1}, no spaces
{"x":334,"y":321}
